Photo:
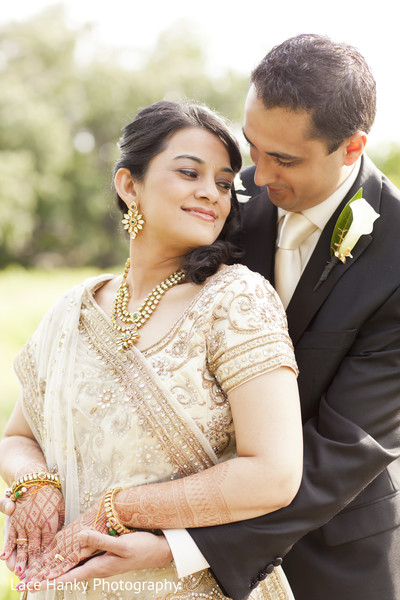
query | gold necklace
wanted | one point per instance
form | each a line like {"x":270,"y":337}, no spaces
{"x":129,"y":335}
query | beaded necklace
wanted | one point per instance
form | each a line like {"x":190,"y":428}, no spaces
{"x":129,"y":335}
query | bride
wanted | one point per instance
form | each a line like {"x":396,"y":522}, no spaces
{"x":163,"y":398}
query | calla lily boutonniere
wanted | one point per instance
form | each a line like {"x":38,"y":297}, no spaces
{"x":242,"y":195}
{"x":356,"y":219}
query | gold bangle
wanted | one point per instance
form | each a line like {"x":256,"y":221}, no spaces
{"x":43,"y":478}
{"x":115,"y":527}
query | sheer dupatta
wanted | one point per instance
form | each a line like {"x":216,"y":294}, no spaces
{"x":45,"y":367}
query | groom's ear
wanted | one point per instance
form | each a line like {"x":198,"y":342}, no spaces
{"x":354,"y":147}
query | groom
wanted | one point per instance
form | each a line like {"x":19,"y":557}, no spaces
{"x":309,"y":108}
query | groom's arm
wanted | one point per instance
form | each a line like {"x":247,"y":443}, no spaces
{"x":187,"y":557}
{"x":356,"y":435}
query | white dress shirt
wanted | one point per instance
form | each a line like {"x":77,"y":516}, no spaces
{"x":187,"y":556}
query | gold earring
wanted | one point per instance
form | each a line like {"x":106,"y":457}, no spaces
{"x":133,"y":221}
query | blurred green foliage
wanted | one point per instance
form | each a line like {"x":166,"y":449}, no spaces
{"x":61,"y":115}
{"x":25,"y":296}
{"x":62,"y":109}
{"x":388,"y":161}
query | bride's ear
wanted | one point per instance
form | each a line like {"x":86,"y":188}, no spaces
{"x":125,"y":186}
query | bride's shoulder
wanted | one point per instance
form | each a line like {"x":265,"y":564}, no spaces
{"x":103,"y":289}
{"x":238,"y":275}
{"x":235,"y":282}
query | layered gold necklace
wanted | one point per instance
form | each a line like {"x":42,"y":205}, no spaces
{"x":129,"y":335}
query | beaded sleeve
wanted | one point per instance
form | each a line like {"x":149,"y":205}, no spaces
{"x":249,"y":332}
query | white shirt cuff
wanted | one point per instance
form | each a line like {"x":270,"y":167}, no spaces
{"x":188,"y":558}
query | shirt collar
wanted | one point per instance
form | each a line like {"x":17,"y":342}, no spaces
{"x":322,"y":212}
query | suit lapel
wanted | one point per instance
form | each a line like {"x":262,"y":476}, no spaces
{"x":306,"y":302}
{"x":259,"y":235}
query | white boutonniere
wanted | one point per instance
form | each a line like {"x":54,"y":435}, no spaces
{"x":241,"y":192}
{"x":356,"y":219}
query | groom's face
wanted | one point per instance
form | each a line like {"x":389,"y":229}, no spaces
{"x":298,"y":171}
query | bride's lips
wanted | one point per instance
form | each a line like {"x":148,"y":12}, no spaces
{"x":202,"y":213}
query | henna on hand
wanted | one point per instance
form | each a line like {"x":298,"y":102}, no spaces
{"x":67,"y":550}
{"x":36,"y":518}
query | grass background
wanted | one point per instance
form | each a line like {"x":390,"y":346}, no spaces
{"x":25,"y":295}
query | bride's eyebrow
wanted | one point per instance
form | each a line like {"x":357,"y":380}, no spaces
{"x":191,"y":157}
{"x":202,"y":162}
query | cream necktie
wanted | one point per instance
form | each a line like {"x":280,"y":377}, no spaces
{"x":288,"y":268}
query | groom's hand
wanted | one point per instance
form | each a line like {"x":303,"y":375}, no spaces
{"x":130,"y":552}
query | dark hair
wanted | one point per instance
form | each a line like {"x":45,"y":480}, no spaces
{"x":330,"y":80}
{"x":147,"y":135}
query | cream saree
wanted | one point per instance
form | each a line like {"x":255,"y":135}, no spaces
{"x":106,"y":418}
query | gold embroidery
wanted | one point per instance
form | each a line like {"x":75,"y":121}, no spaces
{"x":235,"y":323}
{"x":201,"y":586}
{"x":193,"y":356}
{"x":156,"y":413}
{"x":243,"y":362}
{"x":220,"y":430}
{"x":33,"y":389}
{"x":272,"y":588}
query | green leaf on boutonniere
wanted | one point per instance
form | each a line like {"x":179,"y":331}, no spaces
{"x":343,"y":224}
{"x":356,"y":219}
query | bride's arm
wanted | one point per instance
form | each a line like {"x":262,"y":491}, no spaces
{"x":264,"y":477}
{"x":19,"y":451}
{"x":36,"y":517}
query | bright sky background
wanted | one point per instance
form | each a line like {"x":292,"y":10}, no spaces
{"x":239,"y":37}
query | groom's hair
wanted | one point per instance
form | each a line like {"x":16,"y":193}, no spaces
{"x":331,"y":81}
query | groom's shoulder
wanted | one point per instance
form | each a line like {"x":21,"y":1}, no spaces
{"x":390,"y":193}
{"x":389,"y":212}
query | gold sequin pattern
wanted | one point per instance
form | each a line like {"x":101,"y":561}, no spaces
{"x":128,"y":433}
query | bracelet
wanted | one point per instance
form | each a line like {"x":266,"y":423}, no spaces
{"x":21,"y":485}
{"x":115,"y":527}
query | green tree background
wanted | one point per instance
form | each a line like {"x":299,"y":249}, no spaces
{"x":60,"y":120}
{"x":61,"y":114}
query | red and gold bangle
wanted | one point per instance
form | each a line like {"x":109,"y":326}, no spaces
{"x":115,"y":527}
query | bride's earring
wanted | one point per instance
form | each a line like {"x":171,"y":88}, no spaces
{"x":133,"y":221}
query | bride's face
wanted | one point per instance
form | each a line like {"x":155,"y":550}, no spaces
{"x":185,"y":196}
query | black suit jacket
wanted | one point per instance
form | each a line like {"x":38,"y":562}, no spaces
{"x":341,"y":534}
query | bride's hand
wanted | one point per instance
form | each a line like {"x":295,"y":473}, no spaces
{"x":67,"y":549}
{"x":7,"y":506}
{"x":35,"y":519}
